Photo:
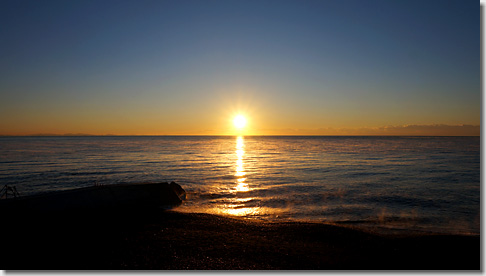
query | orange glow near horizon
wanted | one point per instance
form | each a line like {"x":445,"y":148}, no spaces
{"x":232,"y":120}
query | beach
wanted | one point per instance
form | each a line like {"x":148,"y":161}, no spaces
{"x":170,"y":240}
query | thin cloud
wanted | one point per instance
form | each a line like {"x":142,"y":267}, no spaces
{"x":403,"y":130}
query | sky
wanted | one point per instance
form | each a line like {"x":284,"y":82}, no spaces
{"x":328,"y":67}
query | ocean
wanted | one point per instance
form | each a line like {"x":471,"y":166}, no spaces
{"x":429,"y":184}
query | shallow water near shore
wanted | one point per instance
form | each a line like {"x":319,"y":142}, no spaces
{"x":411,"y":183}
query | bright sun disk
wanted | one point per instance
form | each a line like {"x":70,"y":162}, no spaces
{"x":239,"y":121}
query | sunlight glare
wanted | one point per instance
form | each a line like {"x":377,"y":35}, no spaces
{"x":239,"y":121}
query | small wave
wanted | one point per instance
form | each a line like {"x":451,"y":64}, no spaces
{"x":363,"y":174}
{"x":391,"y":200}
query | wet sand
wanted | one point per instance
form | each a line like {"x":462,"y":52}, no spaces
{"x":163,"y":240}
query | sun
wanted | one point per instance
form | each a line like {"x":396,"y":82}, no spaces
{"x":239,"y":122}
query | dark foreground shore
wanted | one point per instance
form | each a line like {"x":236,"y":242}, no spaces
{"x":162,"y":240}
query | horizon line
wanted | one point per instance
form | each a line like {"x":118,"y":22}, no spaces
{"x":224,"y":135}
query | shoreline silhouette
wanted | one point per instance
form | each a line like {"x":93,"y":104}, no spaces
{"x":141,"y":237}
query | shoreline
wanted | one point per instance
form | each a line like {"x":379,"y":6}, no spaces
{"x":171,"y":240}
{"x":372,"y":227}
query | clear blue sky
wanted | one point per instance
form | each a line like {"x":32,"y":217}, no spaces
{"x":187,"y":67}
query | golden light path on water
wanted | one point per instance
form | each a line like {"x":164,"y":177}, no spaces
{"x":237,"y":200}
{"x":235,"y":207}
{"x":240,"y":169}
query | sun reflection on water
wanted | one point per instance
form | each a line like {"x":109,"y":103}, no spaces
{"x":241,"y":185}
{"x":237,"y":206}
{"x":247,"y":211}
{"x":238,"y":200}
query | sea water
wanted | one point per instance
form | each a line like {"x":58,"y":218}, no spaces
{"x":411,"y":183}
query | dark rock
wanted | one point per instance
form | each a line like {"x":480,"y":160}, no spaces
{"x":97,"y":198}
{"x":178,"y":190}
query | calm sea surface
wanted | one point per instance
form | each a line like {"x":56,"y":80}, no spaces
{"x":416,"y":183}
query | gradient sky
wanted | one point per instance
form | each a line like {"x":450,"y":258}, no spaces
{"x":188,"y":67}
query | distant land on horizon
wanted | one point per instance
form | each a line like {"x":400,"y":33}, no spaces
{"x":408,"y":130}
